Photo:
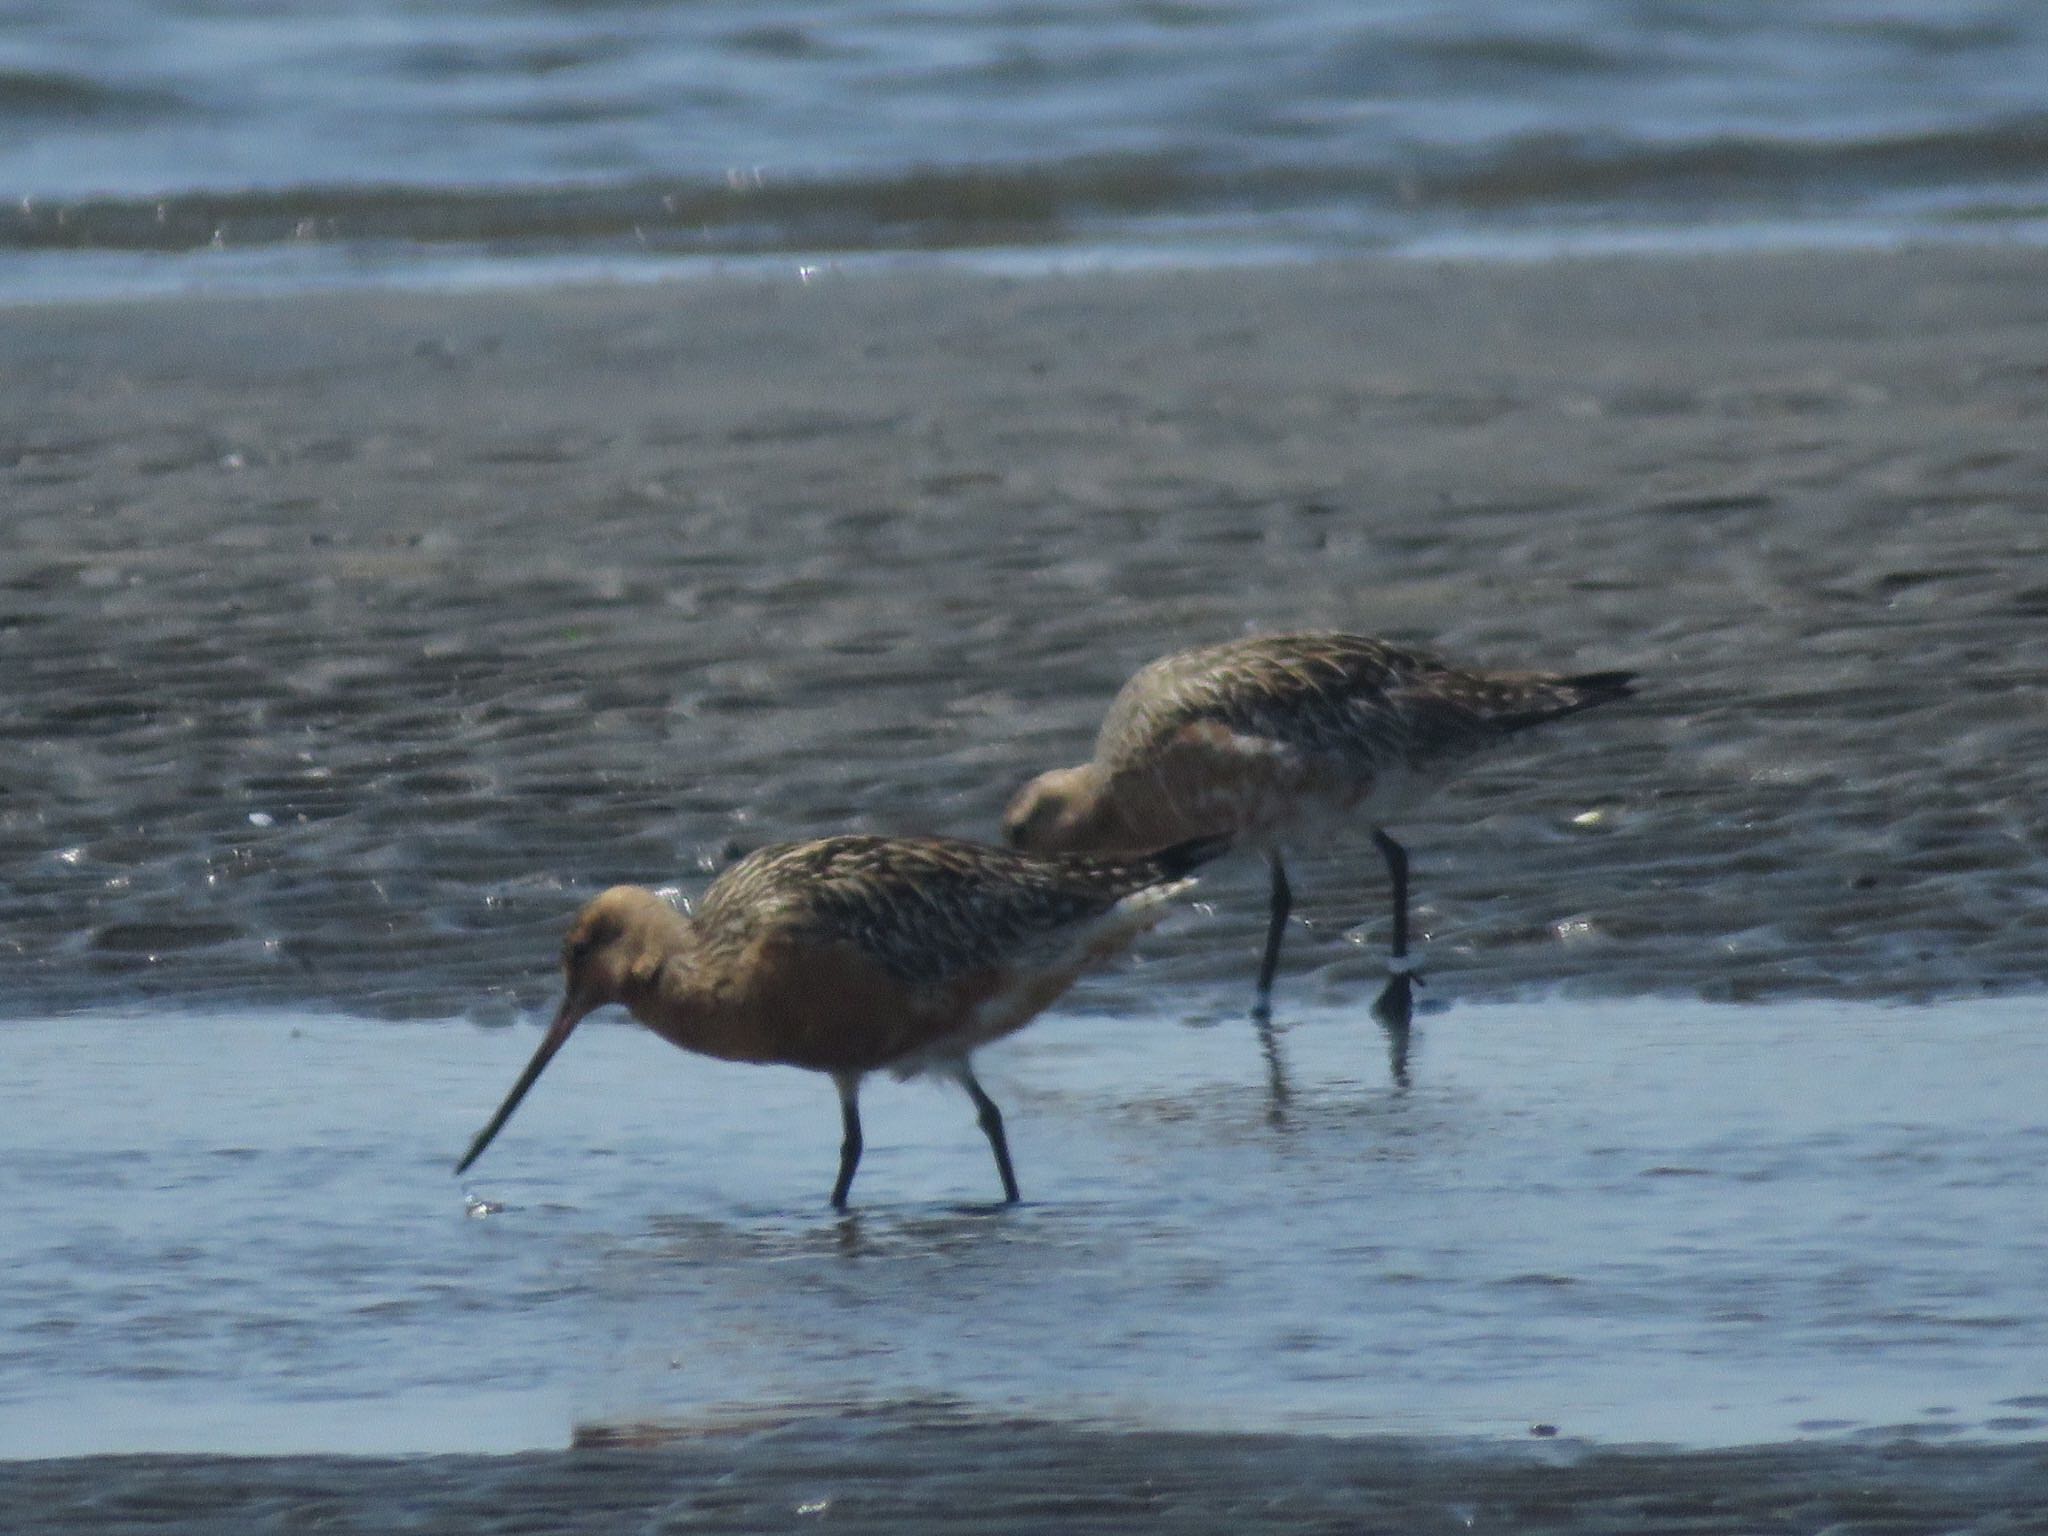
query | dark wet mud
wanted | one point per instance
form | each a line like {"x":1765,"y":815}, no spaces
{"x":347,"y":641}
{"x":916,"y":1472}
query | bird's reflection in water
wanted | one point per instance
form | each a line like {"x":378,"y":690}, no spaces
{"x":964,"y":1228}
{"x":846,"y":1235}
{"x":1395,"y":1014}
{"x":1276,"y":1064}
{"x":1395,"y":1011}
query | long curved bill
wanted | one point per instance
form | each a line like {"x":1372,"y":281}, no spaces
{"x":566,"y":1020}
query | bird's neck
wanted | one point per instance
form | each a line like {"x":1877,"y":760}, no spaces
{"x":1126,"y":813}
{"x":690,"y":1002}
{"x":1091,"y":821}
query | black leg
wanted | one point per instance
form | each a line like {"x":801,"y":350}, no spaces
{"x":1397,"y":869}
{"x":849,"y":1148}
{"x":1276,"y":1067}
{"x":991,"y":1120}
{"x":1276,"y":929}
{"x":1396,"y":1006}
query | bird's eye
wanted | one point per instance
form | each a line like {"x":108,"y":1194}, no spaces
{"x":576,"y":953}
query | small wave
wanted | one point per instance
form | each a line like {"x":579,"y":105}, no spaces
{"x":744,"y":212}
{"x":1415,"y":190}
{"x":1549,"y":169}
{"x":1529,"y":54}
{"x":43,"y":97}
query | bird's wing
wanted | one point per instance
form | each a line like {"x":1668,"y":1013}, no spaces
{"x":925,"y":909}
{"x":1305,"y":694}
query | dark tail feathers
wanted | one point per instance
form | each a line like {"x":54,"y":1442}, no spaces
{"x":1182,"y":858}
{"x":1554,"y":698}
{"x":1601,"y":687}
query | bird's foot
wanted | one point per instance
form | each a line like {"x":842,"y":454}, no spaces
{"x":1396,"y":1005}
{"x":990,"y":1208}
{"x":1395,"y":1011}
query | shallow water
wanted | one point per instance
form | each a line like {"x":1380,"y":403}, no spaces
{"x":145,"y":145}
{"x":1632,"y":1221}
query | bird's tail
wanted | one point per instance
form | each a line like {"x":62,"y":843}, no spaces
{"x":1601,"y":687}
{"x":1552,"y":698}
{"x":1139,"y":888}
{"x":1178,"y":860}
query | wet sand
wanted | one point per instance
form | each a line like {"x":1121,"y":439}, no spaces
{"x":889,"y":1475}
{"x":351,"y":638}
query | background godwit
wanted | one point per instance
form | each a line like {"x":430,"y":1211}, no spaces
{"x":1277,"y":739}
{"x":851,"y":954}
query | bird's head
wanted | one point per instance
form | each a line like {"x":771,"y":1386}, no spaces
{"x":1061,"y":811}
{"x":613,"y":953}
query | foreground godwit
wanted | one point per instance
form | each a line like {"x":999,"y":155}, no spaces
{"x":851,"y":954}
{"x":1272,"y":741}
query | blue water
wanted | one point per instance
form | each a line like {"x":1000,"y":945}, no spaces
{"x":177,"y":144}
{"x":1634,"y":1221}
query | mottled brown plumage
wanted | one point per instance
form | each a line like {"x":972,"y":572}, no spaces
{"x":853,"y":954}
{"x":1278,"y":739}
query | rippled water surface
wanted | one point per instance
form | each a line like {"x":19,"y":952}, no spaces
{"x":273,"y":143}
{"x":1630,"y":1221}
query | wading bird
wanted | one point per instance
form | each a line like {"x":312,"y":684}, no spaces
{"x":853,"y":954}
{"x":1277,"y":740}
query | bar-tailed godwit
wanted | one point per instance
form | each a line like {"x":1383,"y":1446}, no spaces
{"x":1276,"y":740}
{"x":853,"y":954}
